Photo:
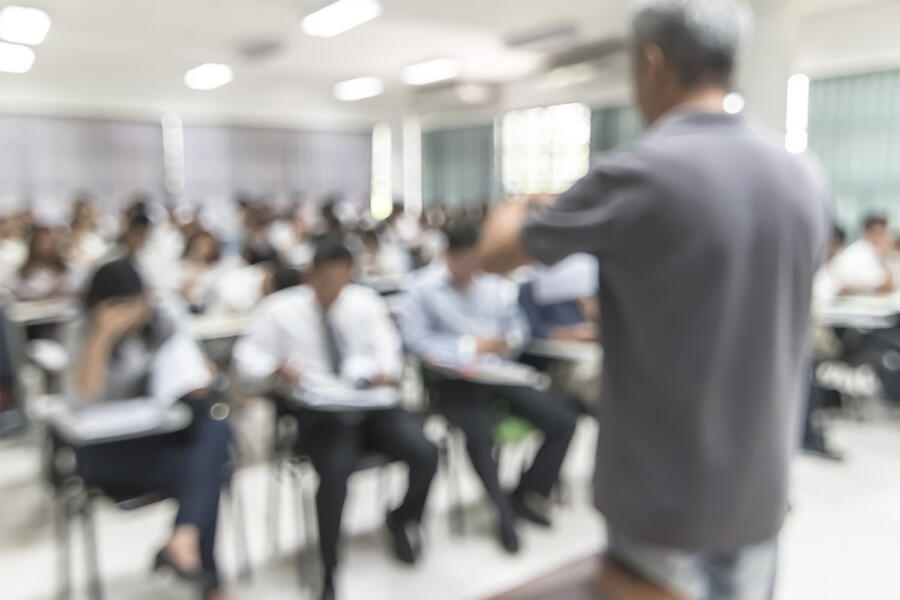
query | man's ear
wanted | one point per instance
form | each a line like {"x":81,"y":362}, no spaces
{"x":654,"y":64}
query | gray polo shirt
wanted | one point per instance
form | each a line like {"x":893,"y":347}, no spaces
{"x":708,"y":236}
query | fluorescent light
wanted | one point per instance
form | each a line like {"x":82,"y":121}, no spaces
{"x":796,"y":141}
{"x":734,"y":103}
{"x":798,"y":102}
{"x":208,"y":76}
{"x":358,"y":89}
{"x":24,"y":25}
{"x":432,"y":71}
{"x":15,"y":58}
{"x":797,"y":122}
{"x":340,"y":16}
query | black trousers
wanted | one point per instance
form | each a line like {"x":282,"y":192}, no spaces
{"x":188,"y":465}
{"x":470,"y":406}
{"x":335,"y":441}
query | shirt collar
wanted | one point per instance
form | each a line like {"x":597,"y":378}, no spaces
{"x":687,"y":115}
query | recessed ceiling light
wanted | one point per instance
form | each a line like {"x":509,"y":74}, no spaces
{"x":208,"y":76}
{"x":340,"y":16}
{"x":24,"y":25}
{"x":432,"y":71}
{"x":358,"y":89}
{"x":15,"y":58}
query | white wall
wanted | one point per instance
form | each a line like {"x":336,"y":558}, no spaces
{"x":851,"y":40}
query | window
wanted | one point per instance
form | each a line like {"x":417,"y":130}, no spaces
{"x":545,"y":150}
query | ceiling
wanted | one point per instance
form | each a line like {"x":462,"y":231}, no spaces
{"x":128,"y":57}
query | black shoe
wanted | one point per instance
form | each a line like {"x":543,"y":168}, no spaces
{"x":530,"y":506}
{"x":509,"y":539}
{"x":328,"y":588}
{"x":405,"y":536}
{"x":164,"y":561}
{"x":823,"y":451}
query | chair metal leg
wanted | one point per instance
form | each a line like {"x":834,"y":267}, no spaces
{"x":90,"y":542}
{"x":454,"y":484}
{"x":305,"y":519}
{"x":242,"y":554}
{"x":384,"y":487}
{"x":63,"y":545}
{"x":273,"y":504}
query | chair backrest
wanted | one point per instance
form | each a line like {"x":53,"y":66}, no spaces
{"x":12,"y":414}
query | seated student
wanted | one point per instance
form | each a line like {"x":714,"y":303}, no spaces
{"x":862,"y":268}
{"x":45,"y":274}
{"x":114,"y":351}
{"x":825,"y":345}
{"x":13,"y":250}
{"x":331,"y":328}
{"x":381,"y":260}
{"x":568,"y":321}
{"x":86,"y":247}
{"x":454,"y":314}
{"x":198,"y":269}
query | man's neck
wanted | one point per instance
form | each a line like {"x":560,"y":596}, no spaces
{"x":707,"y":99}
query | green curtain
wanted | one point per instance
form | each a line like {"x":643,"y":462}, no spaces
{"x":854,"y":130}
{"x":458,"y":166}
{"x":612,"y":127}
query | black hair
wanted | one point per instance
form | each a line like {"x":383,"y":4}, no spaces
{"x":462,"y":236}
{"x":838,"y":235}
{"x":331,"y":250}
{"x":284,"y":277}
{"x":874,"y":221}
{"x":115,"y":279}
{"x":197,"y":236}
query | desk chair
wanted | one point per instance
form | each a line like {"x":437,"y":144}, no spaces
{"x":75,"y":498}
{"x":288,"y":457}
{"x":510,"y":433}
{"x":12,"y":392}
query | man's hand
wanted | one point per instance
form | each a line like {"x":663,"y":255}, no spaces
{"x":379,"y":380}
{"x":114,"y":318}
{"x":289,"y":374}
{"x":501,"y":248}
{"x":580,"y":332}
{"x":496,"y":346}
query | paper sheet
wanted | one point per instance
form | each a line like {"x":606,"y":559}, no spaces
{"x":571,"y":278}
{"x":178,"y":369}
{"x":112,"y":419}
{"x":326,"y":392}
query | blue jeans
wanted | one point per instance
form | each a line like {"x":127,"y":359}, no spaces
{"x":744,"y":574}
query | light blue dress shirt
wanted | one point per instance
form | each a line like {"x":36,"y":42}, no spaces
{"x":440,"y":322}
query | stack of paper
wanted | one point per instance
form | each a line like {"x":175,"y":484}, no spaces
{"x":115,"y":419}
{"x":329,"y":393}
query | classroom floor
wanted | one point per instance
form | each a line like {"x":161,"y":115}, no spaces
{"x":841,"y":542}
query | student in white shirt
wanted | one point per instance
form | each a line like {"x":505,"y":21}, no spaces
{"x":862,"y":268}
{"x":86,"y":247}
{"x":825,"y":284}
{"x":382,"y":259}
{"x":13,"y":250}
{"x":330,"y":329}
{"x":198,"y":271}
{"x":45,"y":275}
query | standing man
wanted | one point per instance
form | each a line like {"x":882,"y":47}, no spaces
{"x":708,"y":236}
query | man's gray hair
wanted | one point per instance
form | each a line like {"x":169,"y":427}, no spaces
{"x":702,"y":38}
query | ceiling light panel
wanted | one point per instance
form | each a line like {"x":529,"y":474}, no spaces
{"x":340,"y":16}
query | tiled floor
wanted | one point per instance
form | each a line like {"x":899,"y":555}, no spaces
{"x":842,"y":540}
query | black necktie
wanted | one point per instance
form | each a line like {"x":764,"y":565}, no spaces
{"x":331,"y":345}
